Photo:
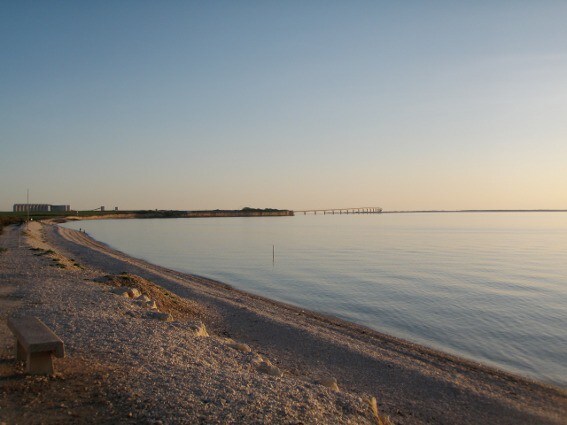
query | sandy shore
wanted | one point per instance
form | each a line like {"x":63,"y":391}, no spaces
{"x":152,"y":371}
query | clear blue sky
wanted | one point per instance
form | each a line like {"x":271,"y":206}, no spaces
{"x":288,"y":104}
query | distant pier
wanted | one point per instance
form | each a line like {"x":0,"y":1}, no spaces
{"x":363,"y":210}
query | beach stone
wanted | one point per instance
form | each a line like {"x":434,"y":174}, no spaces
{"x":269,"y":369}
{"x":256,"y":359}
{"x":144,"y":298}
{"x":102,"y":279}
{"x":330,"y":382}
{"x":123,"y":291}
{"x":245,"y":348}
{"x":164,"y":317}
{"x":199,"y":328}
{"x":151,"y":304}
{"x":134,"y":293}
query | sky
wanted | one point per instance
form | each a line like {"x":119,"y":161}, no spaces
{"x":284,"y":104}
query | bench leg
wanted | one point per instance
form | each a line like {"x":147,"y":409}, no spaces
{"x":20,"y":352}
{"x":39,"y":363}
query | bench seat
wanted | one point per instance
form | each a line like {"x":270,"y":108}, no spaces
{"x":35,"y":344}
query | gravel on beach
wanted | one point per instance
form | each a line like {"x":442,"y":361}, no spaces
{"x":197,"y":351}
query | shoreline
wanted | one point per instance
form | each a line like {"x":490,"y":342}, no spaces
{"x":327,"y":318}
{"x":413,"y":383}
{"x":527,"y":364}
{"x":348,"y":329}
{"x":339,"y":325}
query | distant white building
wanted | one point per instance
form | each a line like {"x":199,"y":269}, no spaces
{"x":41,"y":208}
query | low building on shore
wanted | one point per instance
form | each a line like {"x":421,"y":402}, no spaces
{"x":41,"y":208}
{"x":60,"y":208}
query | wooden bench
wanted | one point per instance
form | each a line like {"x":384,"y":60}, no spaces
{"x":35,"y":344}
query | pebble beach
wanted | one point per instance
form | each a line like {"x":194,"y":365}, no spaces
{"x":146,"y":344}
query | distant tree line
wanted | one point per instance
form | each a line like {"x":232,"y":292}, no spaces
{"x":250,"y":209}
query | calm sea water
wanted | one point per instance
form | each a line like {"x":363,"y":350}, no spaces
{"x":491,"y":287}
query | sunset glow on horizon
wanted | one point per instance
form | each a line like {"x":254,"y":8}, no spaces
{"x":186,"y":105}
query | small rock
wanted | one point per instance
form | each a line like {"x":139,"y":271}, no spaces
{"x":257,"y":359}
{"x":134,"y":293}
{"x":199,"y":328}
{"x":102,"y":279}
{"x":245,"y":348}
{"x":269,"y":369}
{"x":123,"y":291}
{"x":330,"y":382}
{"x":151,"y":304}
{"x":164,"y":317}
{"x":144,"y":298}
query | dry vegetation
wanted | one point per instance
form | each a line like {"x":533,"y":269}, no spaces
{"x":379,"y":418}
{"x":167,"y":302}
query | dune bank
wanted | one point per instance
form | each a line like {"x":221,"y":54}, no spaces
{"x":259,"y":361}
